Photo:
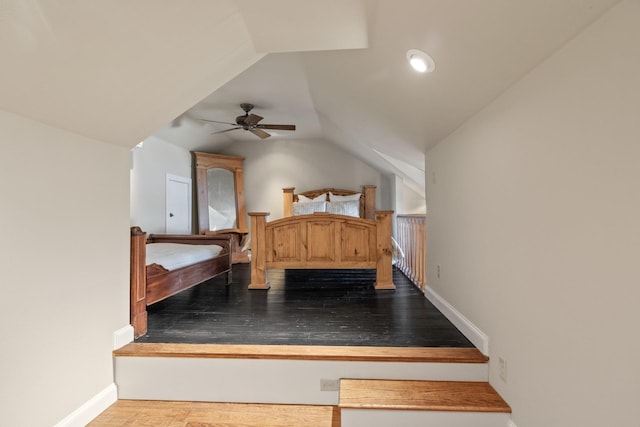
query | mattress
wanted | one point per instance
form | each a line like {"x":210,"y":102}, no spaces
{"x":176,"y":255}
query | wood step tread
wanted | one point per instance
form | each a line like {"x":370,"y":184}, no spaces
{"x":209,"y":414}
{"x":296,"y":352}
{"x":463,"y":396}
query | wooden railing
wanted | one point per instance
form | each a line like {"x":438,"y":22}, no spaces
{"x":411,"y":234}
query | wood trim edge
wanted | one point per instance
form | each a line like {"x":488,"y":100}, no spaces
{"x":293,"y":352}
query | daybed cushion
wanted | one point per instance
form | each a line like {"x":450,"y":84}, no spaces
{"x":176,"y":255}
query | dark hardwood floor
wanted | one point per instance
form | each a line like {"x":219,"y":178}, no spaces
{"x":303,"y":307}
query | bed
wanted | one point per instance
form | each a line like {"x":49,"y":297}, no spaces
{"x":163,"y":265}
{"x":366,"y":199}
{"x":315,"y":237}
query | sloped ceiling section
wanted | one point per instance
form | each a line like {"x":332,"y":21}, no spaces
{"x":296,"y":26}
{"x":117,"y":71}
{"x":368,"y":101}
{"x":371,"y":98}
{"x":278,"y":87}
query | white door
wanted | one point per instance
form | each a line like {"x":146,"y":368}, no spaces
{"x":178,"y":212}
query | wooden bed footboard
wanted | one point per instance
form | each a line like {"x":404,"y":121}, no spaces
{"x":321,"y":241}
{"x":153,"y":283}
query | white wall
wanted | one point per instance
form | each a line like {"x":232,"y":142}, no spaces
{"x":270,"y":166}
{"x":412,"y":202}
{"x":151,"y":164}
{"x":534,"y":218}
{"x":65,"y":269}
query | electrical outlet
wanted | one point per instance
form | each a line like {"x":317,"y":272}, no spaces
{"x":502,"y":368}
{"x":329,"y":385}
{"x":438,"y":270}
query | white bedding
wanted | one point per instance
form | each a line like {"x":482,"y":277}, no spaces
{"x":307,"y":208}
{"x":176,"y":255}
{"x":346,"y":207}
{"x":343,"y":207}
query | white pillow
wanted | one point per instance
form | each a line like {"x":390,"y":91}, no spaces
{"x":307,"y":208}
{"x":305,"y":199}
{"x":347,"y":207}
{"x":336,"y":198}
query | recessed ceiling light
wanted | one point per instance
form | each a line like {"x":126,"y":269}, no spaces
{"x":420,"y":61}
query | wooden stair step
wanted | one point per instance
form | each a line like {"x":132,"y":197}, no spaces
{"x":209,"y":414}
{"x":462,"y":396}
{"x":295,"y":352}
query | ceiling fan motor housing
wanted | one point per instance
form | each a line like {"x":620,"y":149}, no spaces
{"x":240,"y":120}
{"x":246,"y":107}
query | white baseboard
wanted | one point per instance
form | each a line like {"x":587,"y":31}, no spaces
{"x":122,"y":336}
{"x":91,"y":409}
{"x":468,"y":329}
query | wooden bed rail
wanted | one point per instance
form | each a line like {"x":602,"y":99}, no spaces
{"x":153,"y":283}
{"x":138,"y":299}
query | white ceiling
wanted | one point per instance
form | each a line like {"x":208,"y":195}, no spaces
{"x":121,"y":71}
{"x":370,"y":102}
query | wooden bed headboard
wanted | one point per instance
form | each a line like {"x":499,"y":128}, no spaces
{"x":367,"y":198}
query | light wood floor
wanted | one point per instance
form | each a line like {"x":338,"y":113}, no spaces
{"x":459,"y":396}
{"x":295,"y":352}
{"x":355,"y":394}
{"x":205,"y":414}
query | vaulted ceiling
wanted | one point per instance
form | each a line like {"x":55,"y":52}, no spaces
{"x":122,"y":71}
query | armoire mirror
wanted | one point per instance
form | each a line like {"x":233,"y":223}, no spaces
{"x":220,"y":198}
{"x":221,"y":194}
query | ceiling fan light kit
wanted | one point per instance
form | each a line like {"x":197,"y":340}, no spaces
{"x":420,"y":61}
{"x":250,"y":122}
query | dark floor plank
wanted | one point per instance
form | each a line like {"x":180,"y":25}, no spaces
{"x":303,"y":307}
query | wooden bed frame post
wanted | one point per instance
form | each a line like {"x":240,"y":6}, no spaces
{"x":138,"y":316}
{"x":259,"y":278}
{"x":384,"y":268}
{"x":287,"y":194}
{"x":369,"y":201}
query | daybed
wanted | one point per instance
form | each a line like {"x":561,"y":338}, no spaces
{"x":320,"y":239}
{"x":163,"y":265}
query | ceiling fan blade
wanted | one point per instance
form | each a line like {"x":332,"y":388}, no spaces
{"x":262,"y":134}
{"x":252,"y":119}
{"x":216,"y":121}
{"x":277,"y":127}
{"x":226,"y":130}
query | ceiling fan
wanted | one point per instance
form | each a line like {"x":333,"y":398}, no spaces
{"x":251,"y":123}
